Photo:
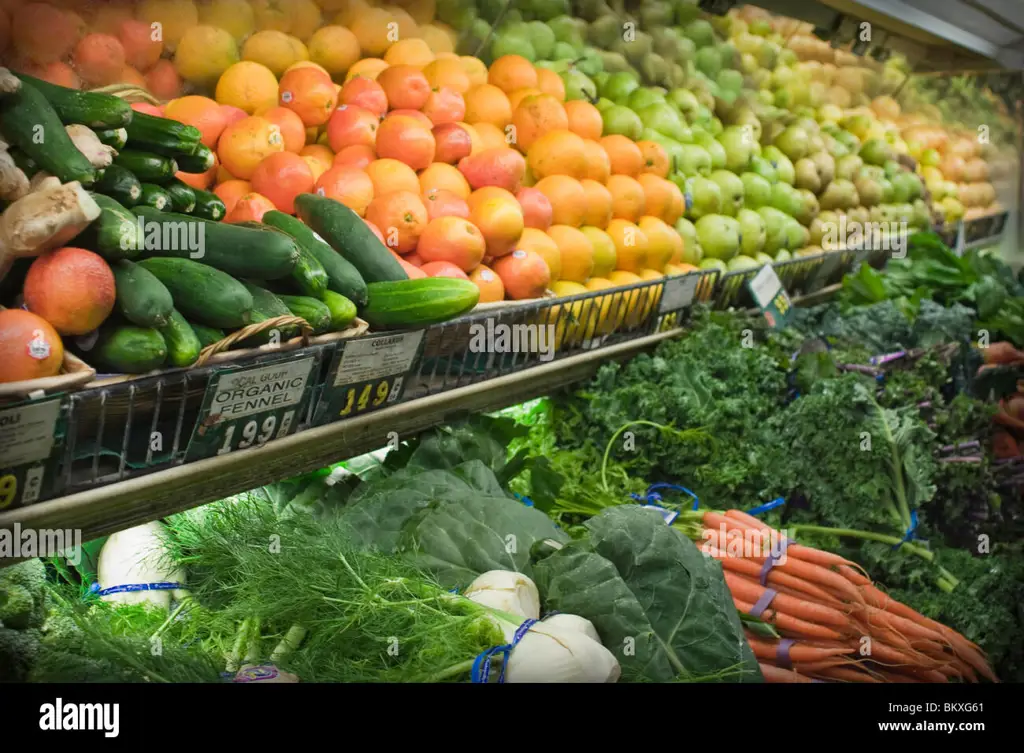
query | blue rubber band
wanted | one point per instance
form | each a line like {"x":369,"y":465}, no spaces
{"x":132,"y":587}
{"x":481,"y":672}
{"x":911,"y":533}
{"x":760,"y":510}
{"x":652,"y":494}
{"x":525,"y":500}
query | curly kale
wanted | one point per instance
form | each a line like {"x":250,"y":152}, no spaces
{"x":23,"y":595}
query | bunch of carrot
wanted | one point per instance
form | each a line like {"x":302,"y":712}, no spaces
{"x":835,"y":624}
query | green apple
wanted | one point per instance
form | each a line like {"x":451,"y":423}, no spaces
{"x":740,"y":263}
{"x":719,"y":236}
{"x":622,"y":121}
{"x":775,"y":228}
{"x":694,"y":161}
{"x":578,"y":86}
{"x":763,"y":168}
{"x":757,"y":192}
{"x":618,"y":86}
{"x":703,"y":197}
{"x":642,"y":97}
{"x":692,"y":252}
{"x":738,"y":142}
{"x":660,"y":117}
{"x":732,"y":191}
{"x":752,"y":232}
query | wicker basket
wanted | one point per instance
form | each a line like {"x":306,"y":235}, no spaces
{"x":74,"y":373}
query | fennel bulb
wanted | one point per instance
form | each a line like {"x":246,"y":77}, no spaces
{"x":573,"y":622}
{"x":137,"y":556}
{"x":557,"y":653}
{"x":506,"y":591}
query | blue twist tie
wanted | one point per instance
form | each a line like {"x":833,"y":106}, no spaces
{"x":130,"y":587}
{"x":653,"y":496}
{"x":911,"y":533}
{"x":525,"y":500}
{"x":761,"y":509}
{"x":482,"y":664}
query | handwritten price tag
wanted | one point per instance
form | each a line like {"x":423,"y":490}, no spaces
{"x":771,"y":297}
{"x":30,"y":434}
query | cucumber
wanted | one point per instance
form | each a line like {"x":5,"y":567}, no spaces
{"x":266,"y":305}
{"x":239,"y":251}
{"x":202,"y":293}
{"x":30,"y":123}
{"x":342,"y":277}
{"x":114,"y":234}
{"x":120,"y":184}
{"x":313,"y":311}
{"x":141,"y":298}
{"x":183,"y":344}
{"x":87,"y":108}
{"x":417,"y":303}
{"x":24,"y":163}
{"x":147,"y":166}
{"x":113,"y":137}
{"x":127,"y":349}
{"x":170,"y":138}
{"x":308,"y":277}
{"x":155,"y":196}
{"x":208,"y":206}
{"x":346,"y":233}
{"x":183,"y":198}
{"x":207,"y":335}
{"x":343,"y":311}
{"x":199,"y":161}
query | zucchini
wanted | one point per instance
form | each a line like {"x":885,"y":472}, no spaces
{"x":127,"y":349}
{"x":342,"y":277}
{"x":343,"y":311}
{"x":113,"y":137}
{"x":87,"y":108}
{"x":141,"y":298}
{"x":308,"y":277}
{"x":155,"y":196}
{"x":266,"y":305}
{"x":183,"y":198}
{"x":115,"y":234}
{"x":313,"y":311}
{"x":207,"y":335}
{"x":170,"y":138}
{"x":183,"y":344}
{"x":416,"y":303}
{"x":208,"y":206}
{"x":120,"y":184}
{"x":147,"y":166}
{"x":202,"y":293}
{"x":239,"y":251}
{"x":199,"y":161}
{"x":30,"y":123}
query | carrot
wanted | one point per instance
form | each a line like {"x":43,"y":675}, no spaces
{"x":807,"y":610}
{"x":891,"y":676}
{"x":818,"y":575}
{"x":809,"y":668}
{"x":789,"y":623}
{"x":904,"y":626}
{"x":798,"y":653}
{"x":776,"y":579}
{"x":846,"y":674}
{"x":890,"y":656}
{"x":855,"y":575}
{"x":777,"y":674}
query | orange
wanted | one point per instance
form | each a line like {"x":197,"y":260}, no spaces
{"x":499,"y":217}
{"x":541,"y":243}
{"x":679,"y":269}
{"x":401,"y":216}
{"x":230,"y":191}
{"x":662,"y":241}
{"x":389,"y":175}
{"x":57,"y":73}
{"x":371,"y":27}
{"x":367,"y":68}
{"x":98,"y":58}
{"x":250,"y":208}
{"x":584,"y":119}
{"x":243,"y":145}
{"x":309,"y":93}
{"x":439,"y":37}
{"x":606,"y":307}
{"x":491,"y":288}
{"x":524,"y":274}
{"x":559,"y":152}
{"x":234,"y":16}
{"x":281,"y":177}
{"x":444,"y":177}
{"x":624,"y":155}
{"x":452,"y":142}
{"x":106,"y":18}
{"x":316,"y":167}
{"x":516,"y":98}
{"x":655,"y":158}
{"x":274,"y":49}
{"x":163,"y":81}
{"x":535,"y":116}
{"x":444,"y":106}
{"x":490,"y":137}
{"x":232,"y":114}
{"x":204,"y":53}
{"x":413,"y":52}
{"x":415,"y":114}
{"x":628,"y":200}
{"x":351,"y":125}
{"x":443,"y":269}
{"x":576,"y":252}
{"x":293,"y":131}
{"x":404,"y":138}
{"x":604,"y":250}
{"x":662,"y":198}
{"x":175,"y":16}
{"x":597,"y":204}
{"x":202,"y":113}
{"x":551,"y":83}
{"x":475,"y":70}
{"x":141,"y":51}
{"x":71,"y":288}
{"x":447,"y":73}
{"x":476,"y":144}
{"x":30,"y":347}
{"x":335,"y":48}
{"x":357,"y":156}
{"x":632,"y":307}
{"x":348,"y":185}
{"x":129,"y":75}
{"x":567,"y":197}
{"x":452,"y":239}
{"x":271,"y":14}
{"x":488,"y":104}
{"x":405,"y":86}
{"x":511,"y":72}
{"x":248,"y":86}
{"x":443,"y":203}
{"x":44,"y":34}
{"x":630,"y":245}
{"x":537,"y":209}
{"x":365,"y":93}
{"x":305,"y":18}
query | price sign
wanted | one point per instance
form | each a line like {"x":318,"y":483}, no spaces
{"x":248,"y":407}
{"x":678,"y":293}
{"x":30,"y":434}
{"x":368,"y":374}
{"x":771,"y":297}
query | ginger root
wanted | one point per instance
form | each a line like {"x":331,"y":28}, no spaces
{"x":88,"y":143}
{"x":46,"y":219}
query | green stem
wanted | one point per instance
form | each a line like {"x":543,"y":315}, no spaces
{"x":353,"y":573}
{"x":452,"y":671}
{"x":171,"y":618}
{"x":868,"y":536}
{"x":659,"y":427}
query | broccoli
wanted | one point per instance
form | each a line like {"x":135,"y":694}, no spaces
{"x":23,"y":595}
{"x":18,"y":652}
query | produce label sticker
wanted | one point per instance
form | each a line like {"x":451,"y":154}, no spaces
{"x":31,"y":433}
{"x":678,"y":293}
{"x":771,"y":297}
{"x":248,"y":407}
{"x":368,"y":374}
